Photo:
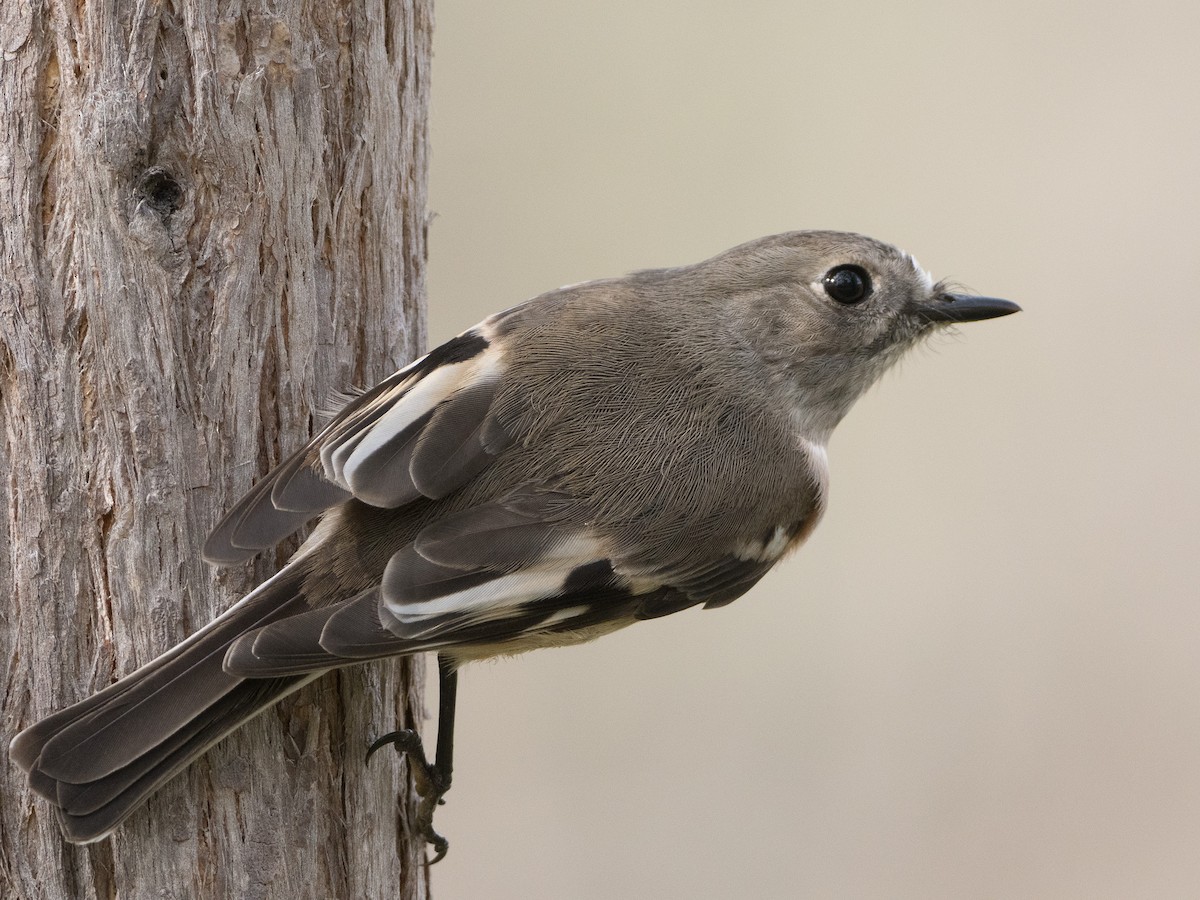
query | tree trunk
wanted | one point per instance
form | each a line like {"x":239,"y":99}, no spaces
{"x":213,"y":215}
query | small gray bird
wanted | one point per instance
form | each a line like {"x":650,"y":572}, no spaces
{"x":604,"y":453}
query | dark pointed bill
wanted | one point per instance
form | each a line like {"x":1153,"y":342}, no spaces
{"x":965,"y":308}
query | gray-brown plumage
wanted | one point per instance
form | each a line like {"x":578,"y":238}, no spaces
{"x":604,"y":453}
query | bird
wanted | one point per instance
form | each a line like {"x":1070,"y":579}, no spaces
{"x":604,"y":453}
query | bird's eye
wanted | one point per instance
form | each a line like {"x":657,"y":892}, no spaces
{"x":848,"y":284}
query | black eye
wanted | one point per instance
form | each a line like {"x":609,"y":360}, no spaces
{"x":848,"y":284}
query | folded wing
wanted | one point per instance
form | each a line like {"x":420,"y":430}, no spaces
{"x":500,"y":577}
{"x":421,"y":432}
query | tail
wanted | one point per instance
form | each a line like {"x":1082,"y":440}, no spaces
{"x":98,"y":760}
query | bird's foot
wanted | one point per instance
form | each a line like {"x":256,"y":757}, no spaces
{"x":430,"y":781}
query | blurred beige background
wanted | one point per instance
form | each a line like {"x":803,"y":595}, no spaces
{"x":981,"y":677}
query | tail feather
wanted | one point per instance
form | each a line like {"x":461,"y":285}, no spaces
{"x":89,"y":812}
{"x":97,"y":760}
{"x":163,"y":701}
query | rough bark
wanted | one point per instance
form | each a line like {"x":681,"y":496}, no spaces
{"x":212,"y":214}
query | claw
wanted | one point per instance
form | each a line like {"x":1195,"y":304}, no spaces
{"x":430,"y":781}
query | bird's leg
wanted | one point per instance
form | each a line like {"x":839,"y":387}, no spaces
{"x":432,"y":781}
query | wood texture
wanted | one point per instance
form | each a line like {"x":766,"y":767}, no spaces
{"x":213,"y":215}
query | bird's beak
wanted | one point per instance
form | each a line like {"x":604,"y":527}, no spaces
{"x":964,"y":308}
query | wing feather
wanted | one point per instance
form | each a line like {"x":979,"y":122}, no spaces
{"x":473,"y":594}
{"x":367,"y":450}
{"x":451,"y":450}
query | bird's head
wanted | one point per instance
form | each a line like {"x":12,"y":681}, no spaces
{"x":828,"y":312}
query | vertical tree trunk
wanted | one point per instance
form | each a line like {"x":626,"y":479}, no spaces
{"x":212,"y":213}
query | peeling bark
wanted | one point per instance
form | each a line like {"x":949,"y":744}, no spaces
{"x":212,"y":214}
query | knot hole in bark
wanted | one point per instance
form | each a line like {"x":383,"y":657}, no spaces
{"x":158,"y":190}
